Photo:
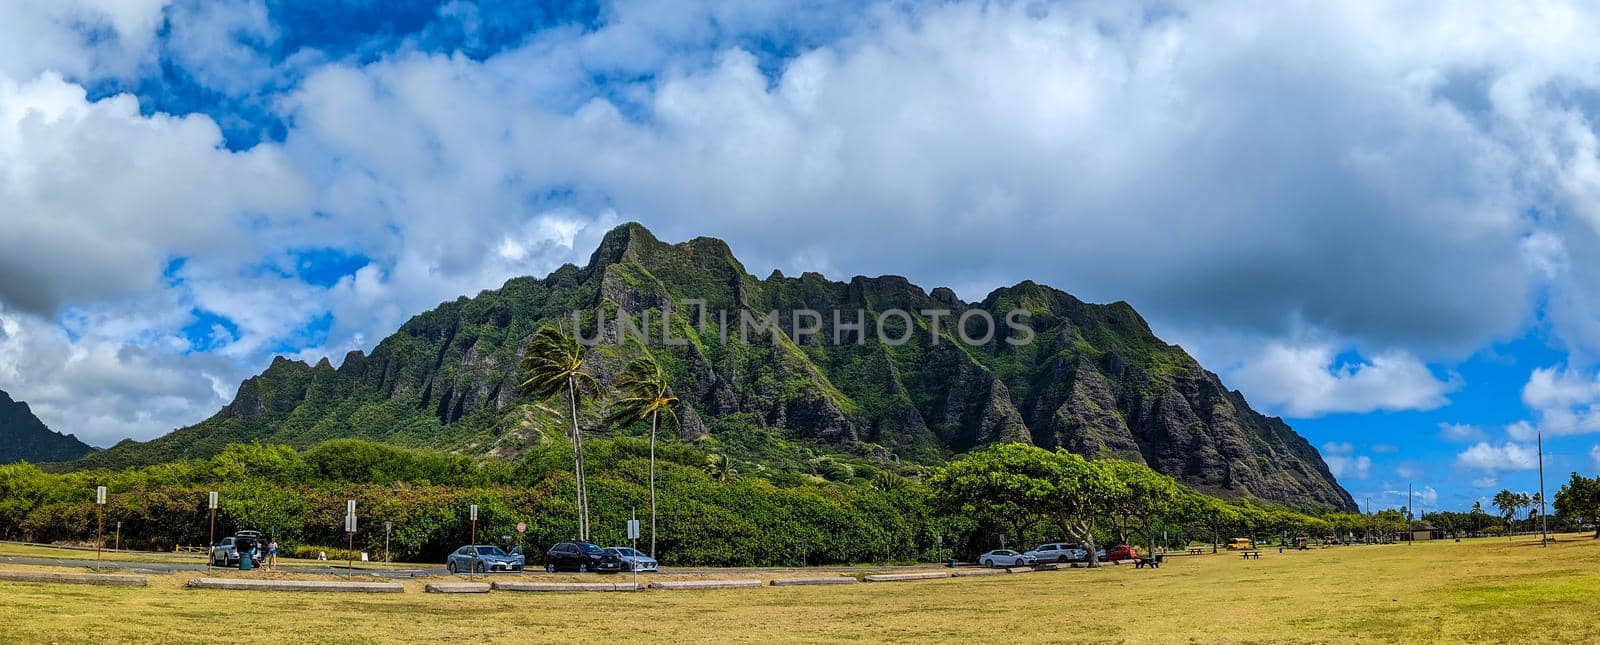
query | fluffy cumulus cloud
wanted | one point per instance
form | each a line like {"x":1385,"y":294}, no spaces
{"x":1461,"y":432}
{"x":1491,"y":458}
{"x":1344,"y":463}
{"x":1298,"y":196}
{"x":1308,"y":381}
{"x":1566,"y":402}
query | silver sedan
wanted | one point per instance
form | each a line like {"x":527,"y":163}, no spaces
{"x":1006,"y":558}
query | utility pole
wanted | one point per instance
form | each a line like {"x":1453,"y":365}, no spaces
{"x":1544,"y":522}
{"x":99,"y":521}
{"x":1410,"y":536}
{"x":211,"y":501}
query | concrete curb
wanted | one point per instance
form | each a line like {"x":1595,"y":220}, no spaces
{"x":457,"y":587}
{"x":101,"y":579}
{"x":295,"y":585}
{"x":705,"y":584}
{"x":897,"y":577}
{"x":505,"y":585}
{"x":802,"y":582}
{"x":1020,"y":570}
{"x":966,"y":573}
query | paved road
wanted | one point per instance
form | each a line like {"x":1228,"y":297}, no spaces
{"x":176,"y":567}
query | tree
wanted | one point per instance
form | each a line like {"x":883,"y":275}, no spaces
{"x":1508,"y":503}
{"x":1579,"y":500}
{"x":643,"y":391}
{"x":1004,"y":483}
{"x":720,"y":467}
{"x":554,"y":364}
{"x":1478,"y":516}
{"x":1146,"y":496}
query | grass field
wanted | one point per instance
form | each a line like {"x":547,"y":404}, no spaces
{"x":1484,"y":590}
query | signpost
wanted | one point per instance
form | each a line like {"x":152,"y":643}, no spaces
{"x":211,"y":502}
{"x":388,"y":527}
{"x":522,"y":527}
{"x":99,"y":520}
{"x":633,"y":534}
{"x":350,"y":536}
{"x":473,"y":512}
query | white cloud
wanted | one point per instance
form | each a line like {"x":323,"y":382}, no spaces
{"x":1461,"y":432}
{"x":1565,"y":401}
{"x":1594,"y":454}
{"x":1305,"y":381}
{"x":1487,"y":481}
{"x":1490,"y":458}
{"x":1344,"y":463}
{"x":1280,"y":186}
{"x":96,"y":198}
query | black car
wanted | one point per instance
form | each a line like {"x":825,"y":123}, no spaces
{"x":581,"y":557}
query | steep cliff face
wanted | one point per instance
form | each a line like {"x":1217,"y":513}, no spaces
{"x":1093,"y":379}
{"x":23,"y":437}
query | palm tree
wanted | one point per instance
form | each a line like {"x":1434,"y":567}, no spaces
{"x":1507,"y":502}
{"x":643,"y":391}
{"x":720,"y":467}
{"x":555,"y":364}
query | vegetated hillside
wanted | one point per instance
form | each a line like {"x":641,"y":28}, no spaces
{"x":23,"y":437}
{"x":1094,"y":380}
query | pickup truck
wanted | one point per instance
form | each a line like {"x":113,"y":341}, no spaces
{"x":226,"y":552}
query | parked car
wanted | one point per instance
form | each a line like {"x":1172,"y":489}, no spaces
{"x":1118,"y":552}
{"x":581,"y":557}
{"x":1006,"y":558}
{"x":483,"y":558}
{"x":1060,"y":552}
{"x":633,"y":560}
{"x":226,"y":552}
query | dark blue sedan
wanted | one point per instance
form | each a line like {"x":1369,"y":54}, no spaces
{"x":483,"y":558}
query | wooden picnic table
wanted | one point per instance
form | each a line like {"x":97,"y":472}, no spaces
{"x":1247,"y":555}
{"x":1195,"y":550}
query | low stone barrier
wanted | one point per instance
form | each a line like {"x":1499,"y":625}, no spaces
{"x":897,"y":577}
{"x":242,"y":584}
{"x":1020,"y":570}
{"x":801,"y":582}
{"x":457,"y":587}
{"x":965,"y":573}
{"x":704,"y":584}
{"x":513,"y":585}
{"x":102,"y":579}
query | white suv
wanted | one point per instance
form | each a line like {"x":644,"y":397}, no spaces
{"x":1060,"y":552}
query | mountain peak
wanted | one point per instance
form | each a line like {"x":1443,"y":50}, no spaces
{"x":628,"y":241}
{"x":23,"y":437}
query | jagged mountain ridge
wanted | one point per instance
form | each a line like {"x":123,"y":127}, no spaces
{"x":1095,"y":379}
{"x":23,"y":437}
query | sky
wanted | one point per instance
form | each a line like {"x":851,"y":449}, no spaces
{"x":1380,"y":221}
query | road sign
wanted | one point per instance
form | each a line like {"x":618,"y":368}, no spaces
{"x":474,"y":512}
{"x":522,"y":528}
{"x":100,"y":495}
{"x":349,"y":507}
{"x":633,"y":529}
{"x":212,"y":501}
{"x":350,"y":523}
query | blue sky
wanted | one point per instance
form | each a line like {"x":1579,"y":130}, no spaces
{"x":1377,"y":221}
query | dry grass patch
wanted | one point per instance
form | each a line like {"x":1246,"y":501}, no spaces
{"x":1478,"y":590}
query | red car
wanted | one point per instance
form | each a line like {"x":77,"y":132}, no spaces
{"x":1119,"y":552}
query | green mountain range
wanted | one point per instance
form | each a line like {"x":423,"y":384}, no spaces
{"x":23,"y":437}
{"x":1094,"y":379}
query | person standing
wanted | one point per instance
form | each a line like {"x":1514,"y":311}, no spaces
{"x":272,"y":554}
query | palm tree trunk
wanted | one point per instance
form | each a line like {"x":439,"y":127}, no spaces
{"x":577,"y":462}
{"x":654,"y":417}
